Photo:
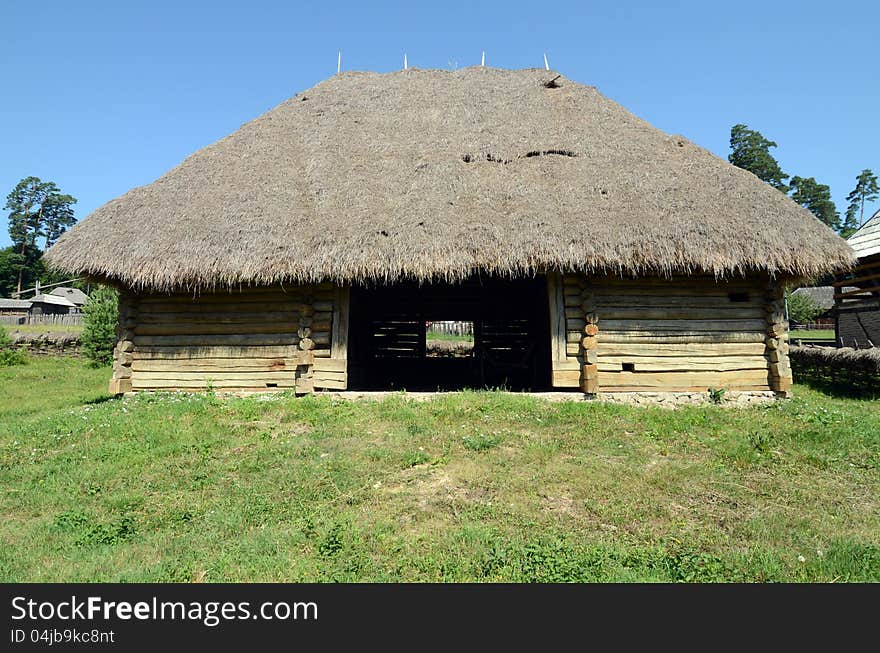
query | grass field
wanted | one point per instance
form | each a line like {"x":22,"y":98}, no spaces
{"x":476,"y":486}
{"x":32,"y":329}
{"x":813,"y":334}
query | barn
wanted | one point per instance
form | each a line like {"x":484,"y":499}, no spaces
{"x":590,"y":250}
{"x":857,"y":291}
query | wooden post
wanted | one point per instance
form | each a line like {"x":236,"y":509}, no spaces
{"x":122,"y":352}
{"x":776,"y":343}
{"x":589,"y":343}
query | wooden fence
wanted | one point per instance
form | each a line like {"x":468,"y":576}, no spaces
{"x":451,"y":328}
{"x":72,"y":319}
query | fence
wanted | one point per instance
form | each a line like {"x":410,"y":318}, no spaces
{"x":72,"y":319}
{"x":451,"y":328}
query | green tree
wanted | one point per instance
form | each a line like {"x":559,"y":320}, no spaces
{"x":866,"y":190}
{"x":751,"y":151}
{"x":802,"y":308}
{"x":816,"y":198}
{"x":100,"y":315}
{"x":36,"y":209}
{"x":851,"y":221}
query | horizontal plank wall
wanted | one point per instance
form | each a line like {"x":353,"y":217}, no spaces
{"x":686,"y":334}
{"x":253,"y":339}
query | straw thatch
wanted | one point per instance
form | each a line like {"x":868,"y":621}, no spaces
{"x":436,"y":174}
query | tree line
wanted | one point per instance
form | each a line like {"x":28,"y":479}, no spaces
{"x":38,"y":214}
{"x":750,"y":150}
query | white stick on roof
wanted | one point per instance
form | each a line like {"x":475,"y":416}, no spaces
{"x":483,"y":60}
{"x":546,"y":65}
{"x":404,"y":61}
{"x":339,"y":63}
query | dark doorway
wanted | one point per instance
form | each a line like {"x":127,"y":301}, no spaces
{"x":507,"y":320}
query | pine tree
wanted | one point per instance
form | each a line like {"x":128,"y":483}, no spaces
{"x":751,"y":151}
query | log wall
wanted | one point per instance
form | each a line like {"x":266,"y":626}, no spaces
{"x":686,"y":334}
{"x":254,"y":339}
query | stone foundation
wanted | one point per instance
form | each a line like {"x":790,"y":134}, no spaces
{"x":731,"y":398}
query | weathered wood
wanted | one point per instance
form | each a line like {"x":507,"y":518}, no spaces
{"x":340,"y":321}
{"x":221,"y":317}
{"x":330,"y":365}
{"x":566,"y":364}
{"x":721,"y":302}
{"x":216,"y":364}
{"x":220,"y":351}
{"x":655,"y":313}
{"x":700,"y":380}
{"x":591,"y":329}
{"x":572,"y":349}
{"x":249,"y":385}
{"x":590,"y":342}
{"x":214,"y":375}
{"x":119,"y":386}
{"x":654,"y":337}
{"x":714,"y":364}
{"x":567,"y":378}
{"x":683,"y":326}
{"x":684,"y":349}
{"x":225,"y":339}
{"x":557,"y":321}
{"x":208,"y":328}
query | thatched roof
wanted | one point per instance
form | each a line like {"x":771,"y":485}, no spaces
{"x":436,"y":174}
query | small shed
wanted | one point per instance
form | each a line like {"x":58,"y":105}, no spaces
{"x":74,"y":295}
{"x":589,"y":250}
{"x":858,"y":307}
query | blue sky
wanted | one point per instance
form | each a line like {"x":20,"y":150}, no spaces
{"x":103,"y":96}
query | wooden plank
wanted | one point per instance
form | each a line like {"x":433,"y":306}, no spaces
{"x":340,"y":321}
{"x":566,"y":378}
{"x":681,"y":349}
{"x":655,"y":313}
{"x":218,"y":375}
{"x":218,"y":317}
{"x":661,"y":380}
{"x":606,"y":302}
{"x":567,"y":364}
{"x":216,"y":364}
{"x":226,"y":339}
{"x":199,"y":384}
{"x":557,"y":321}
{"x":855,"y":280}
{"x":653,"y":337}
{"x":209,"y":328}
{"x":219,"y":351}
{"x":683,"y":326}
{"x":717,"y":364}
{"x":330,"y":365}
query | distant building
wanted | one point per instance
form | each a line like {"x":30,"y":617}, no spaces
{"x":76,"y":296}
{"x":858,"y":307}
{"x":51,"y":305}
{"x":14,"y":307}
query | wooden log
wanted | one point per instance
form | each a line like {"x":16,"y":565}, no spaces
{"x":205,"y":376}
{"x":208,"y":328}
{"x":777,"y":330}
{"x":225,"y":339}
{"x":306,"y":343}
{"x":684,"y":349}
{"x":610,"y":389}
{"x":567,"y":378}
{"x":699,"y":380}
{"x":567,"y":364}
{"x":590,"y":371}
{"x":572,"y":348}
{"x":591,"y":329}
{"x":216,"y":364}
{"x":126,"y":345}
{"x":590,"y":356}
{"x":590,"y":342}
{"x":716,"y":364}
{"x":654,"y":337}
{"x":219,"y":351}
{"x":250,"y":385}
{"x":680,"y":313}
{"x":304,"y":386}
{"x":607,"y":302}
{"x":119,"y":386}
{"x":574,"y":313}
{"x":683,"y":326}
{"x":222,"y":316}
{"x":575,"y":324}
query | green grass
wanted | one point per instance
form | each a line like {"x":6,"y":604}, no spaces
{"x":447,"y":337}
{"x":476,"y":486}
{"x":813,"y":334}
{"x":33,"y":329}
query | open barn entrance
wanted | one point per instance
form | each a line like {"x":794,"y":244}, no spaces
{"x":483,"y":332}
